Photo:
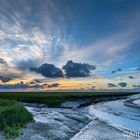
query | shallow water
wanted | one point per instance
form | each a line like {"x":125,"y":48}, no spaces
{"x":137,"y":102}
{"x":114,"y":120}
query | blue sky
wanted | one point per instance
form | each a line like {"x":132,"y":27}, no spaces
{"x":98,"y":32}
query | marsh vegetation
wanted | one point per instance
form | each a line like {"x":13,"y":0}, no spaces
{"x":13,"y":116}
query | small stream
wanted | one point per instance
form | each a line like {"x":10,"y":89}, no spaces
{"x":117,"y":120}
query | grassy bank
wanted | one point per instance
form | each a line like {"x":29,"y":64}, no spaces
{"x":13,"y":116}
{"x":55,"y":98}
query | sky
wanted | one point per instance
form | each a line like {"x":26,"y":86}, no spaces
{"x":69,"y":45}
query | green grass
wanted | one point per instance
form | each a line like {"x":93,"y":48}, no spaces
{"x":11,"y":131}
{"x":53,"y":99}
{"x":13,"y":116}
{"x":53,"y":102}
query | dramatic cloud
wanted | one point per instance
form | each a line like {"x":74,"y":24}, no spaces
{"x":117,"y":70}
{"x":48,"y":70}
{"x":2,"y":61}
{"x":78,"y":69}
{"x":5,"y":79}
{"x":34,"y":32}
{"x":122,"y":84}
{"x":111,"y":85}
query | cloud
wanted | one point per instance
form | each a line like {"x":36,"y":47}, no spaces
{"x":29,"y":38}
{"x":5,"y":79}
{"x":122,"y":84}
{"x":25,"y":65}
{"x":131,"y":77}
{"x":38,"y":80}
{"x":48,"y":70}
{"x":117,"y":70}
{"x":138,"y":69}
{"x":32,"y":82}
{"x":22,"y":85}
{"x":2,"y":61}
{"x":19,"y":86}
{"x":72,"y":70}
{"x":113,"y":71}
{"x":111,"y":85}
{"x":78,"y":69}
{"x":13,"y":86}
{"x":11,"y":72}
{"x":53,"y":85}
{"x":37,"y":86}
{"x":30,"y":41}
{"x":136,"y":86}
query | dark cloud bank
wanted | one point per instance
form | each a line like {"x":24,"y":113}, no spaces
{"x":48,"y":70}
{"x":24,"y":86}
{"x":78,"y":69}
{"x":71,"y":70}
